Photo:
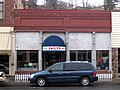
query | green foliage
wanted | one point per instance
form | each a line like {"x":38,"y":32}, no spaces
{"x":110,"y":4}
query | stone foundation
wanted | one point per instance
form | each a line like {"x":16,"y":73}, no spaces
{"x":115,"y":62}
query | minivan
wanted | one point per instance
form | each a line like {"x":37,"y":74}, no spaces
{"x":65,"y":72}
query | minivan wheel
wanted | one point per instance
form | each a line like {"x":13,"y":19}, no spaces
{"x":84,"y":81}
{"x":41,"y":82}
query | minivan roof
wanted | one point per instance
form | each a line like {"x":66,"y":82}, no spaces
{"x":77,"y":62}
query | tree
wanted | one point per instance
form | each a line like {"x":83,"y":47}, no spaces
{"x":57,"y":4}
{"x":30,"y":4}
{"x":110,"y":4}
{"x":52,"y":4}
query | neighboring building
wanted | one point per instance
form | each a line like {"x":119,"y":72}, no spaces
{"x":116,"y":43}
{"x":7,"y":34}
{"x":44,"y":37}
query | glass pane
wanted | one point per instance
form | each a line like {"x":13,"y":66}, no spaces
{"x":84,"y":56}
{"x":80,"y":55}
{"x":71,"y":67}
{"x":102,"y":60}
{"x":58,"y":67}
{"x":1,"y":15}
{"x":1,"y":7}
{"x":72,"y":55}
{"x":85,"y":66}
{"x":27,"y":60}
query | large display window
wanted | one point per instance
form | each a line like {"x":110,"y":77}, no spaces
{"x":102,"y":57}
{"x":81,"y":55}
{"x":27,"y":60}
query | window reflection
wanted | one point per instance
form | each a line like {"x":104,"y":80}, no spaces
{"x":82,"y":55}
{"x":102,"y":60}
{"x":27,"y":60}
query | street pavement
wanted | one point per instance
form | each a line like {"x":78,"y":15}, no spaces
{"x":11,"y":83}
{"x":100,"y":85}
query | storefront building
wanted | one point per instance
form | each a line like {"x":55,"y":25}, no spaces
{"x":116,"y":43}
{"x":6,"y":36}
{"x":44,"y":37}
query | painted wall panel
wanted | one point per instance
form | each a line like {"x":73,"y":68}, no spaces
{"x":27,"y":41}
{"x":83,"y":41}
{"x":115,"y":29}
{"x":103,"y":41}
{"x":80,"y":41}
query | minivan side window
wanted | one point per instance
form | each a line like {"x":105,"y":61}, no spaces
{"x":85,"y":66}
{"x":71,"y":66}
{"x":57,"y":67}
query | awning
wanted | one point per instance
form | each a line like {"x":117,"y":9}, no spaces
{"x":53,"y":43}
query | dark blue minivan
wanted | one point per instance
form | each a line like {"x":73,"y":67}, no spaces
{"x":65,"y":72}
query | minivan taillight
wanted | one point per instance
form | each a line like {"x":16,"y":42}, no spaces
{"x":94,"y":74}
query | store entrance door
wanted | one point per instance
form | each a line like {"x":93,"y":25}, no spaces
{"x":50,"y":58}
{"x":54,"y":50}
{"x":4,"y":63}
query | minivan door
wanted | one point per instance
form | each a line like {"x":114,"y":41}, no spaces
{"x":56,"y":74}
{"x":71,"y":74}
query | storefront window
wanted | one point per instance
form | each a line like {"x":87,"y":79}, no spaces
{"x":80,"y":55}
{"x":102,"y":57}
{"x":1,"y":9}
{"x":73,"y":55}
{"x":27,"y":60}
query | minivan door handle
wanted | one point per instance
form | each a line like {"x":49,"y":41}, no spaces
{"x":66,"y":73}
{"x":60,"y":73}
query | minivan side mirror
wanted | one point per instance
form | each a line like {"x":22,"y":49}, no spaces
{"x":50,"y":70}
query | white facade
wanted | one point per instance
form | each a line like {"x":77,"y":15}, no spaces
{"x":73,"y":41}
{"x":115,"y":30}
{"x":80,"y":41}
{"x":27,"y":41}
{"x":103,"y":41}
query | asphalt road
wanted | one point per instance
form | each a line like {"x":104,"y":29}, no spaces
{"x":65,"y":87}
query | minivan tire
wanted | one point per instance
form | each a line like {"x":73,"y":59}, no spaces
{"x":84,"y":81}
{"x":41,"y":81}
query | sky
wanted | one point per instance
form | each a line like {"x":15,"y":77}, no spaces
{"x":79,"y":2}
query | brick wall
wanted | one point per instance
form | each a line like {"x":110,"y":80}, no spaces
{"x":63,"y":20}
{"x":9,"y":14}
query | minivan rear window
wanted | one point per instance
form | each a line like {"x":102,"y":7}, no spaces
{"x":77,"y":66}
{"x":71,"y":66}
{"x":85,"y":66}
